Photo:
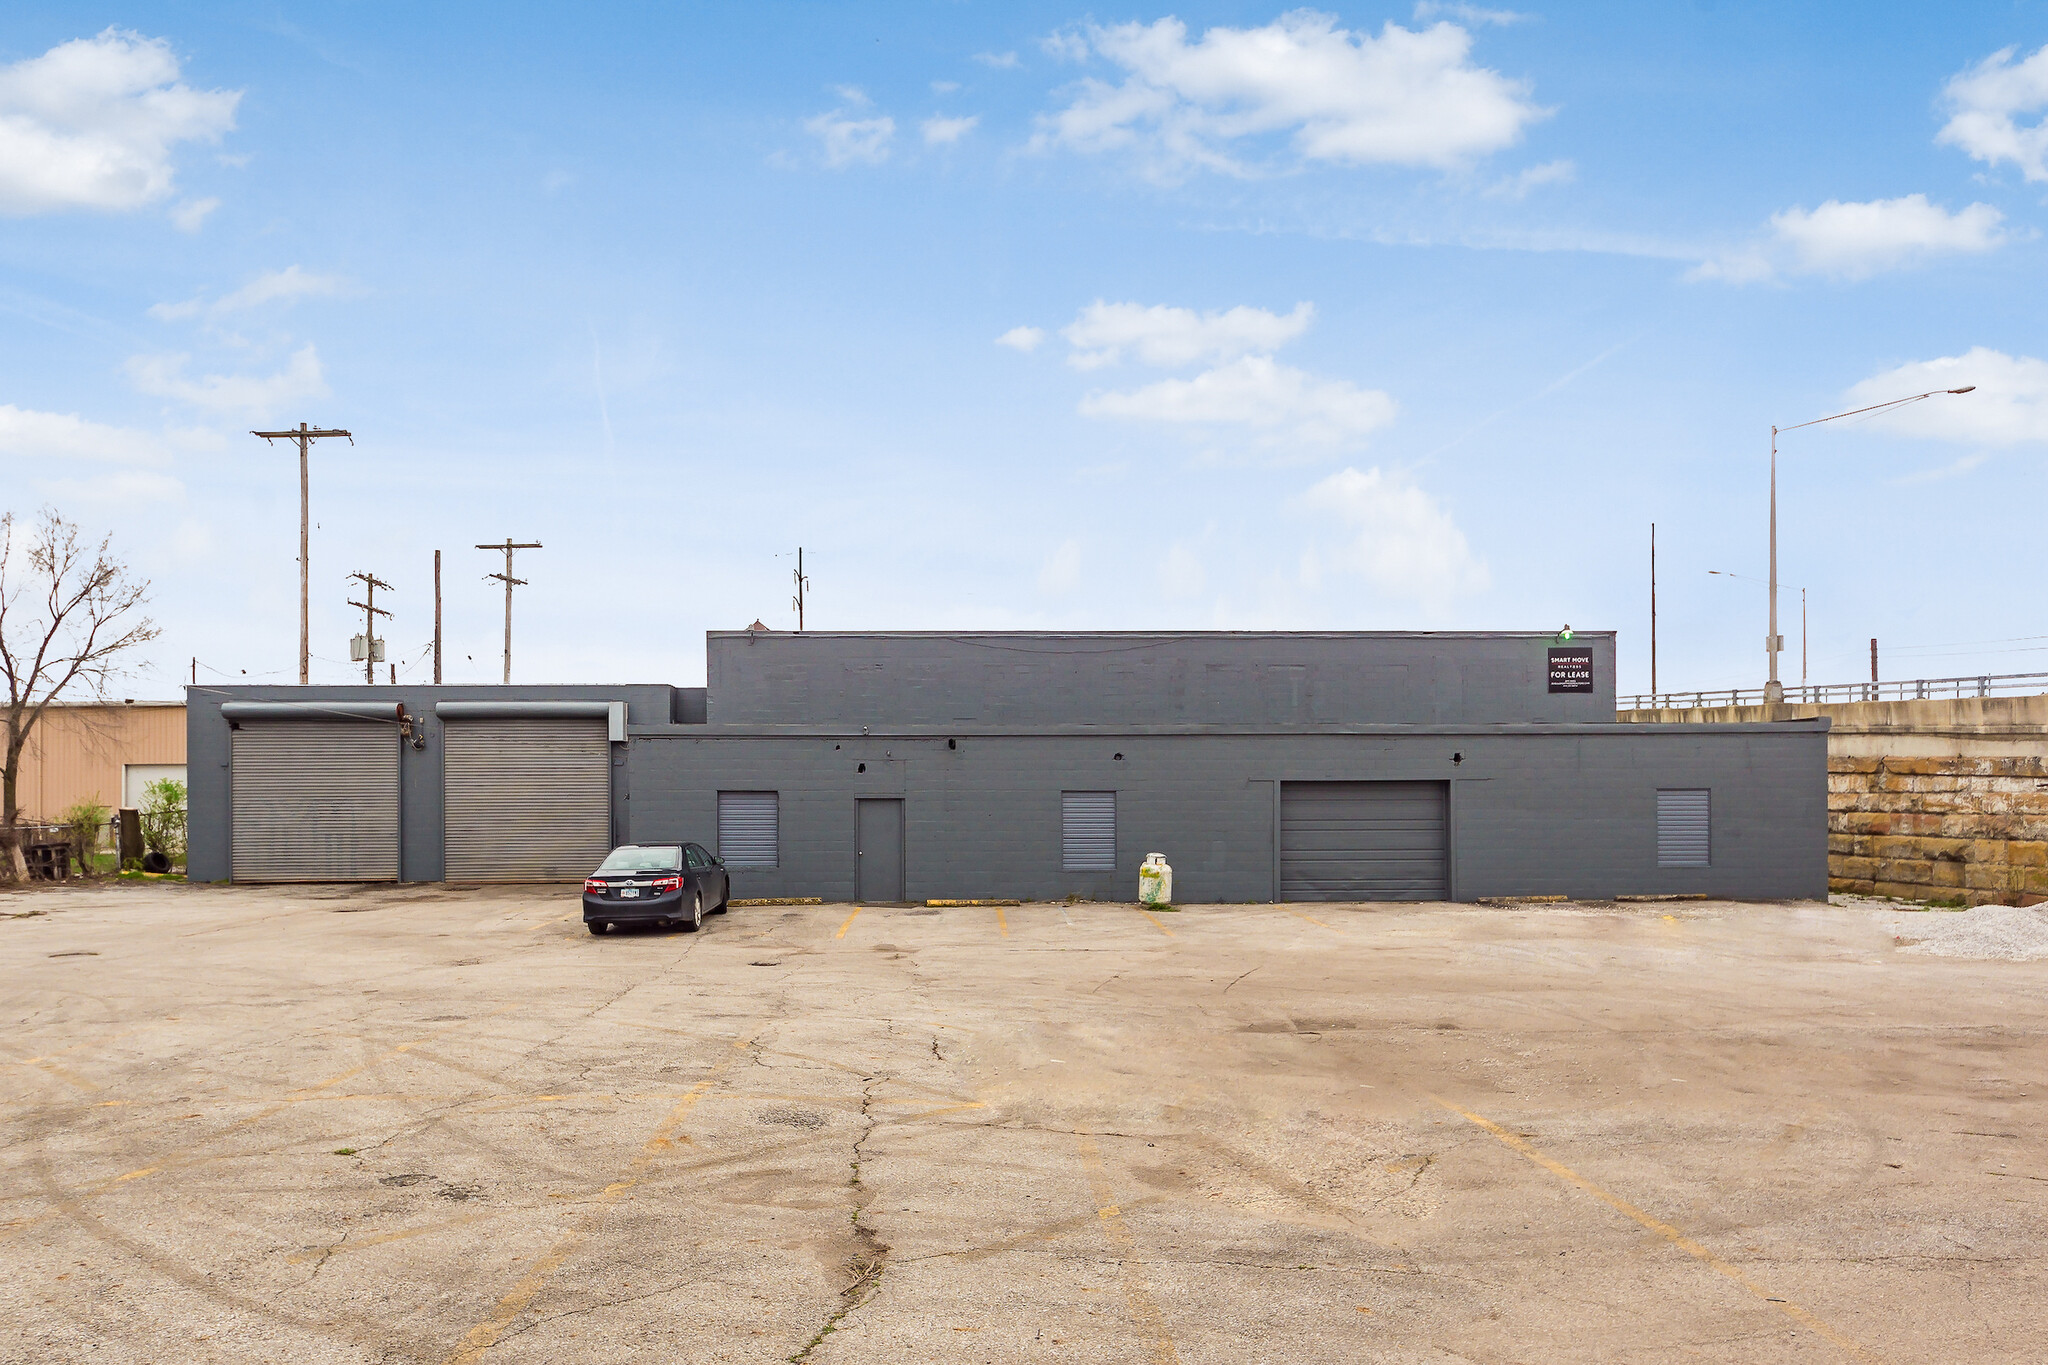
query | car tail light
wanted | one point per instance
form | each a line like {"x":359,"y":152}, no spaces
{"x":660,"y":884}
{"x":594,"y":886}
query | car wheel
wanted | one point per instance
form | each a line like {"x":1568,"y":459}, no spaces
{"x":696,"y":919}
{"x":595,"y":926}
{"x":724,"y":901}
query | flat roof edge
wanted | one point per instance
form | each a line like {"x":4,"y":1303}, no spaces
{"x":1595,"y":729}
{"x":1153,"y":634}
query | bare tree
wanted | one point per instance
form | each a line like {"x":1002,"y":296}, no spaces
{"x":68,"y":610}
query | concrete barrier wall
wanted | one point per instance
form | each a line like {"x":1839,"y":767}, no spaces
{"x":1928,"y":800}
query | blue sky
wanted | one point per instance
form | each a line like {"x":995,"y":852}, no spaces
{"x":1021,"y":316}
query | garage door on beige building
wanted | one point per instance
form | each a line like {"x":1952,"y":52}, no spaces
{"x":526,"y":795}
{"x":315,"y":799}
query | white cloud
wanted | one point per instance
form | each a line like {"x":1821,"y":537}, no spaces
{"x":1392,"y":534}
{"x":1402,"y":98}
{"x":1061,"y":572}
{"x":1860,"y":239}
{"x":848,"y":140}
{"x":57,"y":436}
{"x":128,"y":486}
{"x":1255,"y":392}
{"x":1743,"y":265}
{"x":91,"y":124}
{"x":272,"y":286}
{"x":1856,"y":240}
{"x":2009,"y":407}
{"x":1065,"y":45}
{"x":1426,"y":10}
{"x":1517,"y":186}
{"x":192,"y":214}
{"x":944,"y":87}
{"x":1002,"y":61}
{"x":1178,"y":336}
{"x":1984,"y":103}
{"x":940,"y":131}
{"x":1024,"y":339}
{"x":251,"y":395}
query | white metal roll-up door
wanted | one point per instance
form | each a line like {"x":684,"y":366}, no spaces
{"x":1087,"y":831}
{"x":315,"y":801}
{"x":1364,"y":841}
{"x":1682,"y":827}
{"x":526,"y":800}
{"x":749,"y":828}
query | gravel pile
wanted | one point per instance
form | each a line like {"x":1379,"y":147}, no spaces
{"x":2003,"y":933}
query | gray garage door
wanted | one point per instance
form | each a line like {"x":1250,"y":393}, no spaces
{"x":315,"y":801}
{"x":526,"y":800}
{"x":1364,"y":841}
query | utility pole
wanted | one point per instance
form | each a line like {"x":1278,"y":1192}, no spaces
{"x":1653,"y":613}
{"x":801,"y":584}
{"x":305,"y":436}
{"x":510,"y":583}
{"x":437,"y":618}
{"x":1873,"y":668}
{"x":371,"y":611}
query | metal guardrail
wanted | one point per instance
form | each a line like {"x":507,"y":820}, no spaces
{"x":1916,"y":689}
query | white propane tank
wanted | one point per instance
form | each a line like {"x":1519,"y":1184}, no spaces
{"x":1155,"y":881}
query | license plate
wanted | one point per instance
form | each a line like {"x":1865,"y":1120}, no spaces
{"x":629,"y":893}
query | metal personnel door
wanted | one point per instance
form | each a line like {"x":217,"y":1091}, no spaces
{"x":878,"y":852}
{"x":1364,"y":841}
{"x":525,"y":800}
{"x":315,"y":801}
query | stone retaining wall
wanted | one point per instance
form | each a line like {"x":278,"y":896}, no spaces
{"x":1939,"y":828}
{"x":1928,"y":800}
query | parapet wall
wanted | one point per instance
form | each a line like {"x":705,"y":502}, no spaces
{"x":1927,"y":800}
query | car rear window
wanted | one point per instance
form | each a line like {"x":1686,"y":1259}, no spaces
{"x":658,"y":858}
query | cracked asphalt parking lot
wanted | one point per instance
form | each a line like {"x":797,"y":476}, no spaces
{"x":440,"y":1125}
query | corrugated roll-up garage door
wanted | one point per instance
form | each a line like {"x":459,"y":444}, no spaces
{"x":749,"y":828}
{"x":525,"y":800}
{"x":1682,"y":827}
{"x":1364,"y":841}
{"x":315,"y":801}
{"x":1088,"y":831}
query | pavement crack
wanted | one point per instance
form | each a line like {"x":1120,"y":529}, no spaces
{"x":871,"y":1253}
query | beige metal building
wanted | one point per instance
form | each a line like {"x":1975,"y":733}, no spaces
{"x":103,"y":752}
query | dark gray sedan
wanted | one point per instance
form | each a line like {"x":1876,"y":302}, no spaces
{"x":673,"y":885}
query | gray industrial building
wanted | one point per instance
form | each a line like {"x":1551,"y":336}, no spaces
{"x":894,"y":766}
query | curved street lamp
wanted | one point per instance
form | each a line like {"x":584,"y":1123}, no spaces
{"x":1774,"y":691}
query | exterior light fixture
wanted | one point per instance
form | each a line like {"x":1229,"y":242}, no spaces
{"x":1563,"y":637}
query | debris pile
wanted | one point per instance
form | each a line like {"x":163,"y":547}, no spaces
{"x":2004,"y":933}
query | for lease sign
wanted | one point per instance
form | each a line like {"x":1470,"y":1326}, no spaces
{"x":1571,"y":670}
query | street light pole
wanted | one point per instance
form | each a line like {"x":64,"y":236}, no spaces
{"x":1774,"y":691}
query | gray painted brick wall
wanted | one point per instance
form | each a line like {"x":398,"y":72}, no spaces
{"x":1133,"y":678}
{"x":1550,"y":804}
{"x":1563,"y":812}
